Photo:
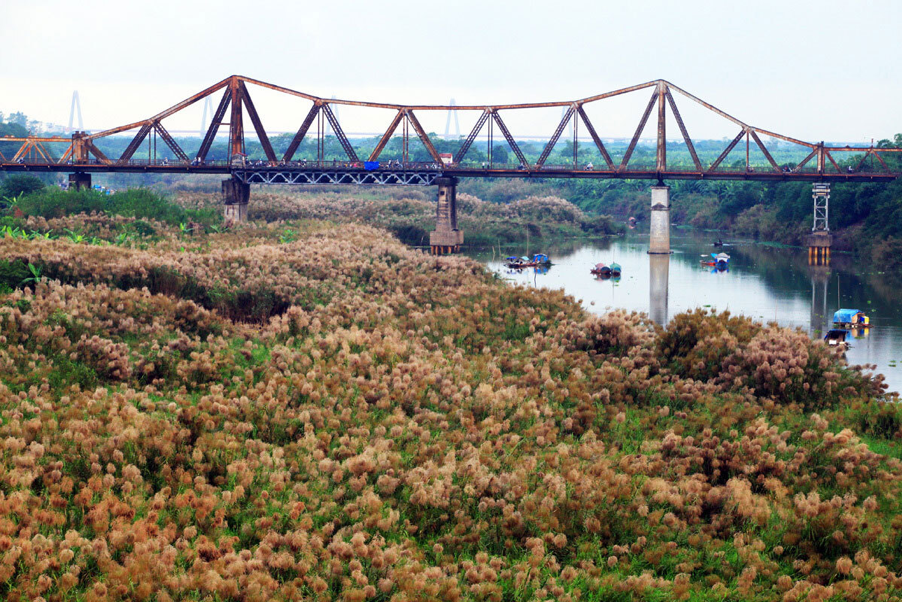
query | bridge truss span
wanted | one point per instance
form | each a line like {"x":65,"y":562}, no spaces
{"x":675,"y":158}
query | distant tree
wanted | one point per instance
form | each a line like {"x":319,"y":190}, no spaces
{"x":16,"y":125}
{"x":499,"y":154}
{"x":18,"y":184}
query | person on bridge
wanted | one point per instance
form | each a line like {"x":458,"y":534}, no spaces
{"x":589,"y":166}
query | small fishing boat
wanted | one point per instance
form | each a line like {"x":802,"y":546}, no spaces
{"x":541,"y":259}
{"x":852,"y":318}
{"x":601,"y":269}
{"x":615,"y":269}
{"x":538,"y":260}
{"x":836,"y":337}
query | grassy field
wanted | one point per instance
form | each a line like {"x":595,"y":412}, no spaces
{"x":309,"y":410}
{"x":409,"y":214}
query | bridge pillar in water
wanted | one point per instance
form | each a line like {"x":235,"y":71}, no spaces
{"x":659,"y":240}
{"x":820,"y":240}
{"x":79,"y":181}
{"x":446,"y":238}
{"x":235,"y":195}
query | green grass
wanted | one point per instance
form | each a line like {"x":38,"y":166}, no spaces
{"x":139,"y":203}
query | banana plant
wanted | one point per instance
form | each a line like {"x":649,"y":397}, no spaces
{"x":12,"y":232}
{"x":75,"y":236}
{"x":287,"y":237}
{"x":35,"y":275}
{"x":12,"y":201}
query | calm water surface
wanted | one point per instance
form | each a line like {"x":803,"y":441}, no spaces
{"x":764,"y":282}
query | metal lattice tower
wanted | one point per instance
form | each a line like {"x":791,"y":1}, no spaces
{"x":208,"y":111}
{"x":75,"y":111}
{"x":456,"y":122}
{"x":820,"y":193}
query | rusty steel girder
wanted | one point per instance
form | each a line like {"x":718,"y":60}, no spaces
{"x":236,"y":99}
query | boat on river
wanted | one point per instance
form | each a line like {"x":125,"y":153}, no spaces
{"x":602,"y":270}
{"x":718,"y":260}
{"x":851,"y":318}
{"x":537,"y":260}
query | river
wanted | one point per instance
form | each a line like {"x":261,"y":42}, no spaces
{"x":765,"y":282}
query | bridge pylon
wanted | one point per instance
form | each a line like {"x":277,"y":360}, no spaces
{"x":79,"y":181}
{"x":235,"y":196}
{"x":446,"y":238}
{"x":659,"y":235}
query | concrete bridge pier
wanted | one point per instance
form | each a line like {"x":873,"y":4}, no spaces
{"x":446,"y":238}
{"x":659,"y":240}
{"x":79,"y":181}
{"x":235,"y":195}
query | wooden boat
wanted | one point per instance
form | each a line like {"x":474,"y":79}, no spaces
{"x":517,"y":263}
{"x":601,"y":269}
{"x":541,"y":259}
{"x":851,"y":318}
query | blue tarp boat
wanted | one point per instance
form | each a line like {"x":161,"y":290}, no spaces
{"x":852,"y":317}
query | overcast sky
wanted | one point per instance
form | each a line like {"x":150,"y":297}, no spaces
{"x":814,"y":70}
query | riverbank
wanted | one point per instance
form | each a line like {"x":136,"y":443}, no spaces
{"x":409,"y":214}
{"x":335,"y":415}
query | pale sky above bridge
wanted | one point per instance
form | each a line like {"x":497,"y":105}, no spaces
{"x":813,"y":70}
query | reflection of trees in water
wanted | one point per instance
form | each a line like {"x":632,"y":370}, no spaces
{"x":785,"y":270}
{"x":859,"y":282}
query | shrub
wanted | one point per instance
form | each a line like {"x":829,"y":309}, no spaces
{"x":407,"y":427}
{"x":139,"y":203}
{"x":18,"y":184}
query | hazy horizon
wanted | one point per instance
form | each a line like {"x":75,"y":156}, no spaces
{"x":829,"y":74}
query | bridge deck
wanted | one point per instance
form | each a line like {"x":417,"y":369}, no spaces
{"x":338,"y":172}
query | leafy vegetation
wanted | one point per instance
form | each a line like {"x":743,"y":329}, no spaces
{"x":303,"y":410}
{"x":136,"y":203}
{"x":16,"y":185}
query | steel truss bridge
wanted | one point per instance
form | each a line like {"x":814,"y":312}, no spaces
{"x":82,"y":155}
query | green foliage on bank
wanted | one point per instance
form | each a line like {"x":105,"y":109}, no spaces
{"x":18,"y":184}
{"x":139,"y":203}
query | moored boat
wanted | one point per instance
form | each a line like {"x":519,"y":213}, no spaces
{"x":601,"y":269}
{"x":852,"y":318}
{"x":538,"y":260}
